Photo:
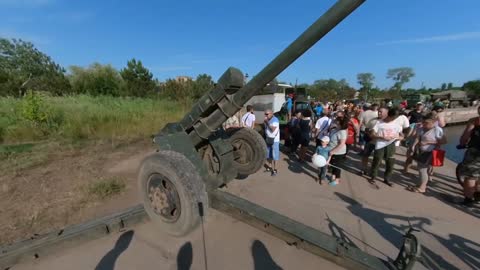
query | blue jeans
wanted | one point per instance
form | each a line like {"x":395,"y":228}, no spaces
{"x":322,"y":173}
{"x":273,"y":151}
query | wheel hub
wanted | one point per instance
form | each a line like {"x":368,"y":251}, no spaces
{"x":164,"y":198}
{"x":243,"y":152}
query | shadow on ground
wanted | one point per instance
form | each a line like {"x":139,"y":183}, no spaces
{"x":464,"y":249}
{"x":262,"y":260}
{"x":108,"y":261}
{"x":185,"y":256}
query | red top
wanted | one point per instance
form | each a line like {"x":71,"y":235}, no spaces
{"x":351,"y":131}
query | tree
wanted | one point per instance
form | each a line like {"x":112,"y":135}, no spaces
{"x":366,"y":81}
{"x":201,"y":85}
{"x":96,"y":80}
{"x":472,"y":87}
{"x":23,"y":66}
{"x":177,"y":91}
{"x":400,"y":76}
{"x":450,"y":85}
{"x":138,"y":79}
{"x":331,"y":89}
{"x":443,"y":87}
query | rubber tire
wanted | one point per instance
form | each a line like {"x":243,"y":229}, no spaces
{"x":256,"y":143}
{"x":188,"y":183}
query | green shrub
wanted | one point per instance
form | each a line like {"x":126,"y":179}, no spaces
{"x":35,"y":109}
{"x":106,"y":188}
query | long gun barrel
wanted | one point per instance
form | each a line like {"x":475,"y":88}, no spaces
{"x":229,"y":96}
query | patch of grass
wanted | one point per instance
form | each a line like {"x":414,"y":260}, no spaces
{"x":84,"y":117}
{"x":106,"y":188}
{"x":19,"y":157}
{"x":16,"y":148}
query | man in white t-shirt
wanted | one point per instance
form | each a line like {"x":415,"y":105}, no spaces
{"x":385,"y":133}
{"x":272,"y":138}
{"x":248,"y":119}
{"x":322,"y":126}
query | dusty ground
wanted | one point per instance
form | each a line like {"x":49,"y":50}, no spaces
{"x":372,"y":219}
{"x":52,"y":192}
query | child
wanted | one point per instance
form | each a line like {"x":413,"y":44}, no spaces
{"x":324,"y":151}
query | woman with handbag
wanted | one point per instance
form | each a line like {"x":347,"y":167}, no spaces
{"x":429,"y":138}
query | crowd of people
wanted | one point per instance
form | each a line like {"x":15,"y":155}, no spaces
{"x":369,"y":130}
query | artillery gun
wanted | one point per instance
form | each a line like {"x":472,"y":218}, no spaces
{"x":196,"y":157}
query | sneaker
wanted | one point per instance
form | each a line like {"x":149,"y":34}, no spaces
{"x":268,"y":169}
{"x":333,"y":183}
{"x":274,"y":172}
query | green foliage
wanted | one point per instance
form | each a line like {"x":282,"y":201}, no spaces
{"x":96,"y":80}
{"x":23,"y":66}
{"x":331,"y":89}
{"x":138,"y":79}
{"x":201,"y":85}
{"x":38,"y":114}
{"x":366,"y":80}
{"x":34,"y":108}
{"x":178,"y":91}
{"x":472,"y":87}
{"x":106,"y":187}
{"x":85,"y":117}
{"x":400,"y":76}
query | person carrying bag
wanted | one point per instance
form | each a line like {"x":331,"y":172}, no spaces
{"x":429,"y":138}
{"x":272,"y":139}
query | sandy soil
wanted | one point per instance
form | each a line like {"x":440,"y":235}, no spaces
{"x":54,"y":194}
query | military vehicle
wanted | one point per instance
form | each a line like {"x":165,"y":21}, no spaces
{"x":452,"y":98}
{"x":181,"y":181}
{"x":413,"y":99}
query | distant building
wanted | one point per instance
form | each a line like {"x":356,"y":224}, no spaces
{"x":183,"y":79}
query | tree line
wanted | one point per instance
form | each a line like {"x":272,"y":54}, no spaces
{"x":22,"y":67}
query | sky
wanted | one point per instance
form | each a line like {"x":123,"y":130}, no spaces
{"x":440,"y":40}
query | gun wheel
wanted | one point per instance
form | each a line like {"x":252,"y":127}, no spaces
{"x":171,"y":189}
{"x":249,"y":150}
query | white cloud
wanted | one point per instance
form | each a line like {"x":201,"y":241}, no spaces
{"x":26,"y":3}
{"x":443,"y":38}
